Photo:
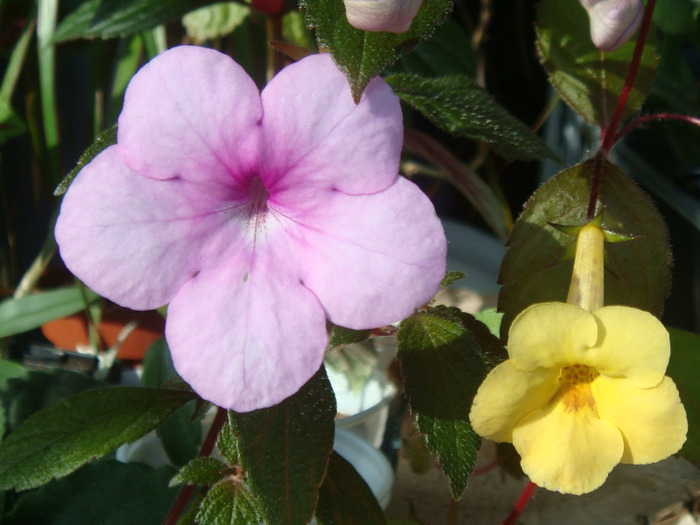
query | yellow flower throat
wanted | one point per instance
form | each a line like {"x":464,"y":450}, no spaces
{"x":575,"y":390}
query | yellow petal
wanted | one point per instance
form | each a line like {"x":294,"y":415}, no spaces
{"x":506,"y":396}
{"x":632,"y":343}
{"x":652,"y":420}
{"x":551,"y":335}
{"x":570,"y":452}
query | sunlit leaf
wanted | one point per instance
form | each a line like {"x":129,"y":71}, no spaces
{"x":683,"y":369}
{"x":103,"y":141}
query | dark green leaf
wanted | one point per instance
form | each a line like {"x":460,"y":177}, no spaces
{"x":448,"y":51}
{"x":181,"y":434}
{"x":683,"y":368}
{"x":106,"y":492}
{"x":284,"y":450}
{"x":589,"y":80}
{"x":339,"y":337}
{"x":229,"y":503}
{"x":31,"y":311}
{"x":199,"y":471}
{"x":227,"y":444}
{"x":107,"y":138}
{"x":459,"y":106}
{"x":110,"y":18}
{"x":443,"y":365}
{"x":532,"y":271}
{"x":345,"y":498}
{"x":59,"y":439}
{"x":451,"y":278}
{"x":27,"y":394}
{"x":363,"y":55}
{"x":11,"y":125}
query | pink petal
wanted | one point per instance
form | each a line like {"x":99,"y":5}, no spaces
{"x":193,"y":113}
{"x":315,"y":135}
{"x":137,"y":240}
{"x":248,"y":334}
{"x":371,"y":259}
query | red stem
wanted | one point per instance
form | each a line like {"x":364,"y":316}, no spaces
{"x":608,"y":134}
{"x":520,"y":505}
{"x":185,"y":495}
{"x":656,"y":116}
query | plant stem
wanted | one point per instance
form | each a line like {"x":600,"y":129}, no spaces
{"x":656,"y":116}
{"x":183,"y":498}
{"x":520,"y":505}
{"x":452,"y":512}
{"x":46,"y":26}
{"x":598,"y":163}
{"x":608,"y":134}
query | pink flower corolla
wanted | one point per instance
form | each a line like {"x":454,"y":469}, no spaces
{"x":255,"y":216}
{"x":613,"y":22}
{"x":394,"y":16}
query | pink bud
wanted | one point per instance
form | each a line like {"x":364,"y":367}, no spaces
{"x":613,"y":22}
{"x":394,"y":16}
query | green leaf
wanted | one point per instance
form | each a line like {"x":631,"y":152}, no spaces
{"x":27,"y":394}
{"x":110,"y":18}
{"x":345,"y":498}
{"x":227,"y":444}
{"x":107,"y":138}
{"x":458,"y":105}
{"x":106,"y":492}
{"x":492,"y":318}
{"x":11,"y":125}
{"x":199,"y":471}
{"x":589,"y":80}
{"x":10,"y":369}
{"x":451,"y":278}
{"x":532,"y":270}
{"x":443,"y":364}
{"x":181,"y":434}
{"x":683,"y":368}
{"x":215,"y":21}
{"x":229,"y":503}
{"x":285,"y":448}
{"x":59,"y":439}
{"x":363,"y":55}
{"x":339,"y":337}
{"x":448,"y":51}
{"x":31,"y":311}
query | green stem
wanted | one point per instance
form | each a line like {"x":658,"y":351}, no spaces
{"x":14,"y":66}
{"x":46,"y":26}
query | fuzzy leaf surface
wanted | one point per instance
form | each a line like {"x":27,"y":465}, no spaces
{"x":284,"y":450}
{"x":57,"y":440}
{"x":102,"y":142}
{"x":445,"y":355}
{"x":363,"y":55}
{"x":199,"y":471}
{"x":458,"y":105}
{"x":589,"y":80}
{"x":345,"y":498}
{"x":228,"y":503}
{"x":533,"y":271}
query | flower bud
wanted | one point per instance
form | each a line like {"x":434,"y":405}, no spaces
{"x":394,"y":16}
{"x":613,"y":22}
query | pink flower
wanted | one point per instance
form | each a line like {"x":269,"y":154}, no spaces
{"x":256,"y":216}
{"x":394,"y":16}
{"x":613,"y":22}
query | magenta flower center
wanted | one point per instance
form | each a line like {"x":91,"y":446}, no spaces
{"x":258,"y":196}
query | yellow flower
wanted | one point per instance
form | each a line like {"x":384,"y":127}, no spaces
{"x":580,"y":392}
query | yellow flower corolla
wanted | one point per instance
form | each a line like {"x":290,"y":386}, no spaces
{"x":581,"y":392}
